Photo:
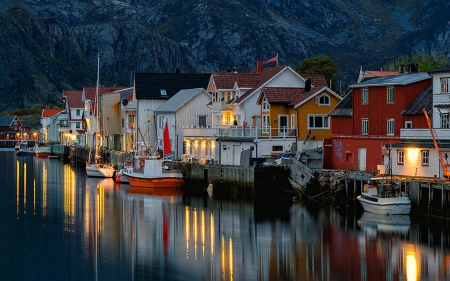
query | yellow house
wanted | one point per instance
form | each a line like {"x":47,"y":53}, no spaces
{"x":301,"y":112}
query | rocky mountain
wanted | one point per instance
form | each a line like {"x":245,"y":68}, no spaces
{"x":47,"y":46}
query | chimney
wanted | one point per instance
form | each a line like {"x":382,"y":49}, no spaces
{"x":229,"y":70}
{"x":401,"y":68}
{"x":177,"y":70}
{"x":307,"y":85}
{"x":259,"y":66}
{"x":234,"y":70}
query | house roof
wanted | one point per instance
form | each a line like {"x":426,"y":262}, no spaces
{"x":7,"y":120}
{"x":281,"y":95}
{"x":149,"y":85}
{"x":178,"y":100}
{"x":317,"y":80}
{"x":423,"y":100}
{"x":393,"y":80}
{"x":74,"y":99}
{"x":50,"y":112}
{"x":344,"y":107}
{"x":443,"y":69}
{"x":261,"y":78}
{"x":226,"y":80}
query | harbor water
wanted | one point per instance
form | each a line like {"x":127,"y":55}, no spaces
{"x":57,"y":224}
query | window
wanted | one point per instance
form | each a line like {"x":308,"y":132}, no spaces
{"x":400,"y":157}
{"x":365,"y":96}
{"x":324,"y":100}
{"x":163,"y":93}
{"x":390,"y":95}
{"x":390,"y":127}
{"x":265,"y":124}
{"x":318,"y":122}
{"x":161,"y":122}
{"x":78,"y":112}
{"x":131,"y":122}
{"x":365,"y":127}
{"x":445,"y":83}
{"x":202,"y":121}
{"x":425,"y":157}
{"x":78,"y":125}
{"x":445,"y":121}
{"x":265,"y":105}
{"x":408,"y":124}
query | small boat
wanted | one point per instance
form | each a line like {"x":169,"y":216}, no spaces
{"x":120,"y":177}
{"x":155,"y":174}
{"x":22,"y":149}
{"x":99,"y":170}
{"x":384,"y":196}
{"x":42,"y":151}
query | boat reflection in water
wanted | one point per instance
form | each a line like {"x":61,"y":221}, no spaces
{"x":375,"y":223}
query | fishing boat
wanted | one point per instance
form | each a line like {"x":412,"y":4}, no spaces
{"x":384,"y":196}
{"x":42,"y":151}
{"x":95,"y":167}
{"x":156,"y":171}
{"x":22,"y":149}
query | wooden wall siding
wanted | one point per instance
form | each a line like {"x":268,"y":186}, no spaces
{"x":111,"y":121}
{"x":378,"y":110}
{"x":342,"y":126}
{"x":344,"y":153}
{"x":415,"y":168}
{"x":418,"y":121}
{"x":188,"y":115}
{"x":310,"y":107}
{"x":275,"y":111}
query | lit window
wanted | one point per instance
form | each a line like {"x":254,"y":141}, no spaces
{"x":318,"y":122}
{"x":364,"y":126}
{"x":390,"y":95}
{"x":425,"y":157}
{"x":390,"y":127}
{"x":445,"y":83}
{"x":400,"y":157}
{"x":365,"y":96}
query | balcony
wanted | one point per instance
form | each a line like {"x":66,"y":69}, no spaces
{"x":240,"y":132}
{"x":442,"y":99}
{"x":424,"y":134}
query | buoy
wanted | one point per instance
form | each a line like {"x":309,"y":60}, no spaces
{"x":70,"y":156}
{"x":73,"y":149}
{"x":118,"y":179}
{"x":142,"y":163}
{"x":209,"y":189}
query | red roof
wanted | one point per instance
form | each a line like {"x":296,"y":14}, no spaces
{"x":226,"y":80}
{"x":90,"y":93}
{"x":373,"y":73}
{"x":281,"y":95}
{"x":74,"y":99}
{"x":50,"y":112}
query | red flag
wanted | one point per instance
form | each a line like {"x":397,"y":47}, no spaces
{"x":244,"y":125}
{"x":167,"y":148}
{"x":274,"y":59}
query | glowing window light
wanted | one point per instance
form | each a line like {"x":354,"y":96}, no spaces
{"x":413,"y":154}
{"x":411,"y":267}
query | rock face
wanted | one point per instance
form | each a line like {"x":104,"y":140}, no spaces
{"x":51,"y":45}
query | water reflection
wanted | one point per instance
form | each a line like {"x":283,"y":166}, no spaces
{"x":95,"y":229}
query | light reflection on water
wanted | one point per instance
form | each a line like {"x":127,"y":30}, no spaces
{"x":59,"y":225}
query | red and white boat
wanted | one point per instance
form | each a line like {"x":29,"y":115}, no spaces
{"x":42,"y":151}
{"x":156,"y":172}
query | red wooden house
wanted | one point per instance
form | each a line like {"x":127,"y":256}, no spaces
{"x":370,"y":117}
{"x":11,"y":128}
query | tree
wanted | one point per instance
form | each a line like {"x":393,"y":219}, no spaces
{"x":426,"y":62}
{"x":319,"y":65}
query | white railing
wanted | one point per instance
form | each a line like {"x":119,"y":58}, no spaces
{"x":424,"y":134}
{"x":240,"y":132}
{"x":441,"y":99}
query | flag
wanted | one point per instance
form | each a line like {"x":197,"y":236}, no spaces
{"x":274,"y":59}
{"x":167,"y":148}
{"x":244,"y":126}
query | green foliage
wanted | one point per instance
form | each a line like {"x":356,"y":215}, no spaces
{"x":319,"y":65}
{"x":23,"y":111}
{"x":426,"y":62}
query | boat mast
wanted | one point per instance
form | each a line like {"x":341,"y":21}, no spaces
{"x":96,"y":109}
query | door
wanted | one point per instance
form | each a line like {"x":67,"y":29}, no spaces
{"x":362,"y":159}
{"x":283,"y":125}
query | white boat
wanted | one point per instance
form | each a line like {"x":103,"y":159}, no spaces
{"x":42,"y":151}
{"x":384,"y":196}
{"x":95,"y":167}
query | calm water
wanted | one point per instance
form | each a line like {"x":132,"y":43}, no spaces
{"x":59,"y":225}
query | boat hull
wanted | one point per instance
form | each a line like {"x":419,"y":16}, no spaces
{"x":386,"y":206}
{"x":100,"y":171}
{"x":24,"y":153}
{"x":163,"y":182}
{"x":42,"y":151}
